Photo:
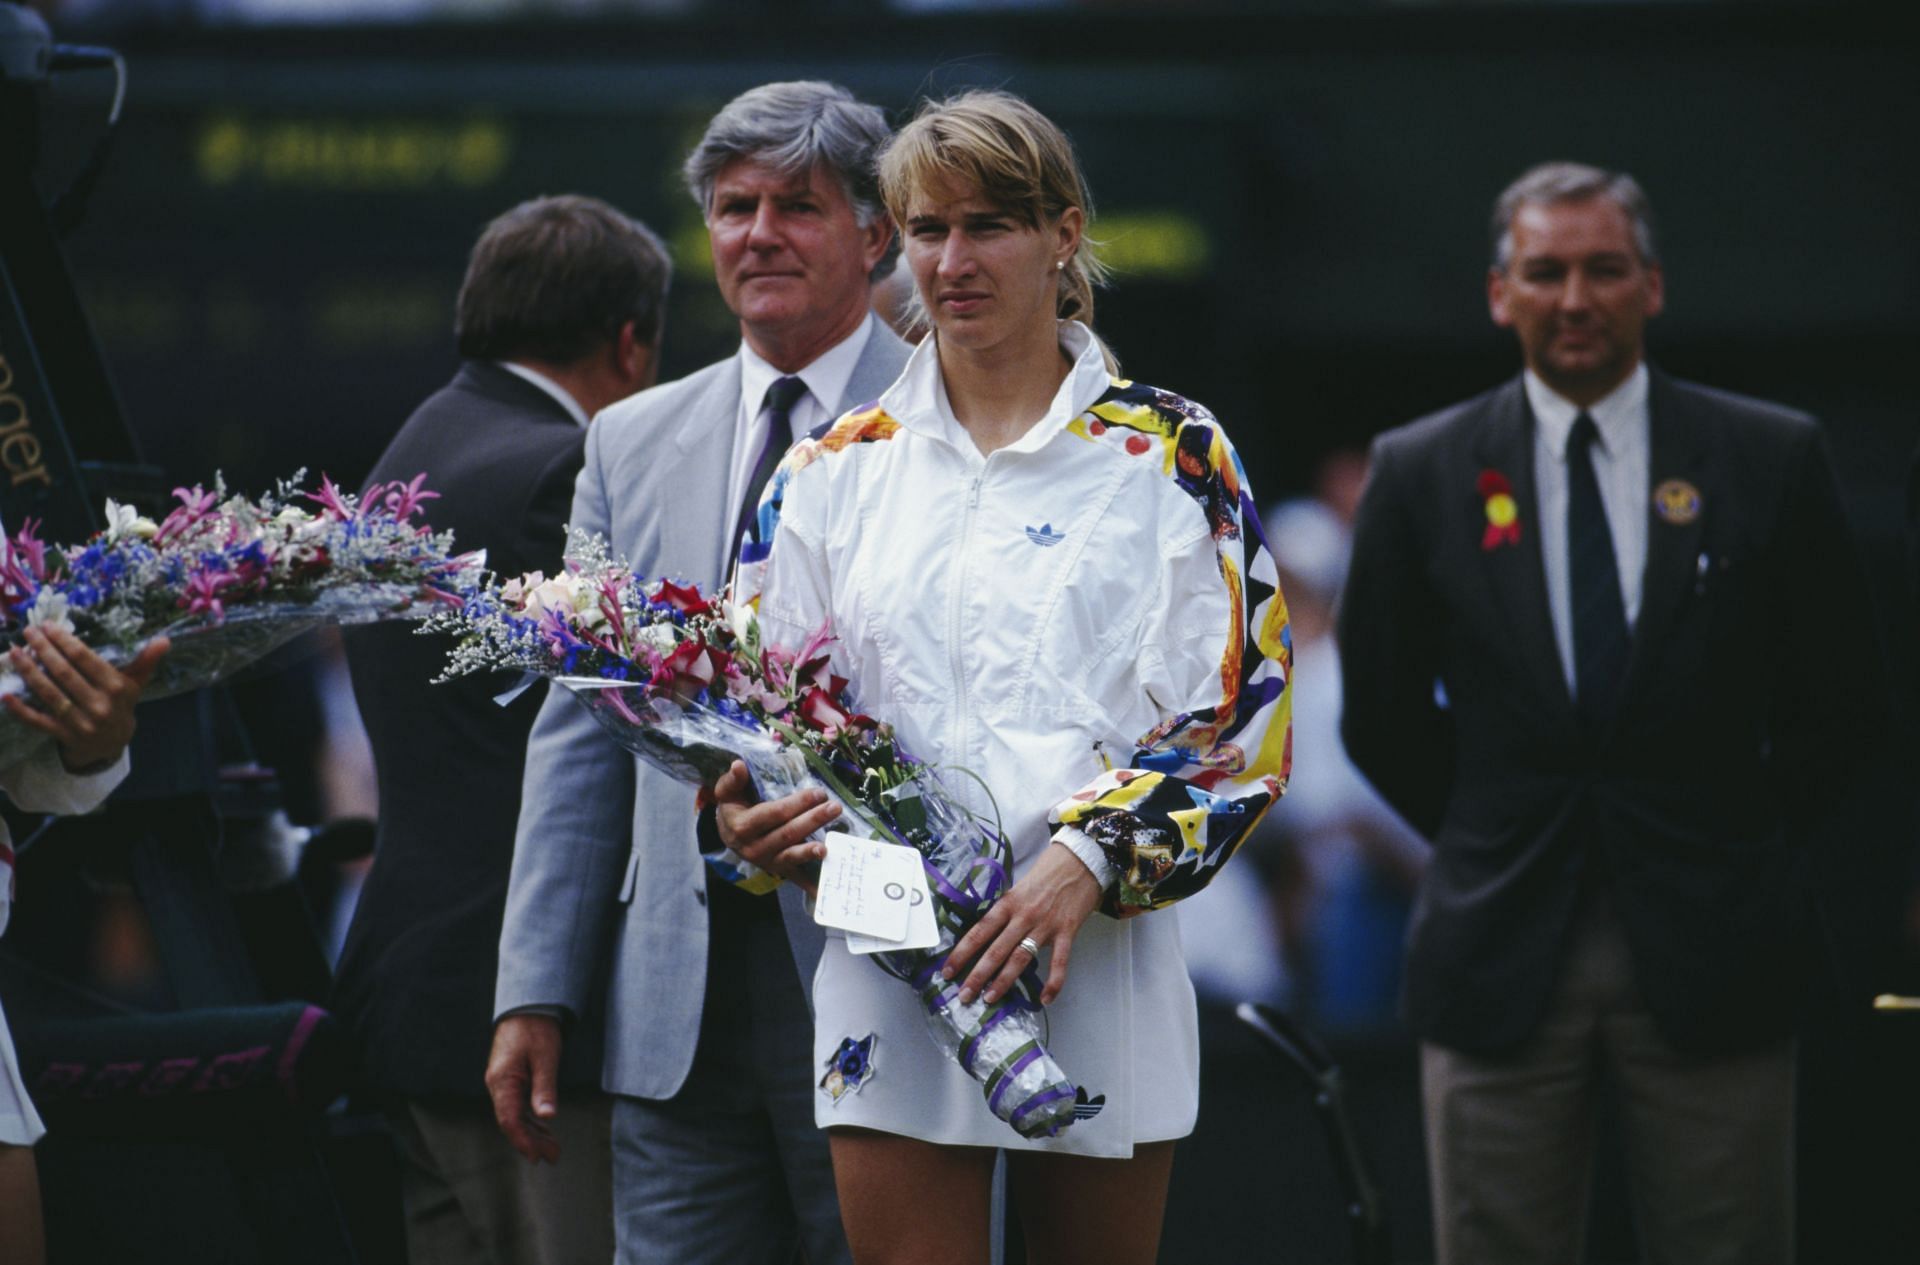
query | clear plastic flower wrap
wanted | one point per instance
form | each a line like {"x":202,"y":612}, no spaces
{"x":684,"y":683}
{"x":228,"y":580}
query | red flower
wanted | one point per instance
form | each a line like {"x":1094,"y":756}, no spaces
{"x":1502,"y":511}
{"x":692,"y":667}
{"x":684,"y":598}
{"x":821,"y":710}
{"x":820,"y":675}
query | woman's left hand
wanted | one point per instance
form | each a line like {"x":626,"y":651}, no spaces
{"x":85,"y":703}
{"x":1046,"y":906}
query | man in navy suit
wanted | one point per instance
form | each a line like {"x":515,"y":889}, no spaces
{"x":1607,"y":642}
{"x":559,"y":316}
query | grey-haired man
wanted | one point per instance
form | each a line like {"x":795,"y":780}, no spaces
{"x":716,"y":1157}
{"x":1561,"y":641}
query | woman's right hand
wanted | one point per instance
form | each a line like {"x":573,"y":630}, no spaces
{"x":778,"y":835}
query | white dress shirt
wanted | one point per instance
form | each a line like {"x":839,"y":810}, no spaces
{"x":1620,"y":464}
{"x":562,"y":396}
{"x":826,"y":379}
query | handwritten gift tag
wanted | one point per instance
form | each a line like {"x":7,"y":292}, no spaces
{"x":869,"y":889}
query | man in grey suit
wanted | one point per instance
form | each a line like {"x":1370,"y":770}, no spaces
{"x":708,"y":1042}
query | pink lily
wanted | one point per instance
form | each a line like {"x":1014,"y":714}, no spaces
{"x":195,"y":504}
{"x":330,"y":499}
{"x":203,"y":593}
{"x":402,"y":500}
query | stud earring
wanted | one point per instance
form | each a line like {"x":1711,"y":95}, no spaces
{"x":1059,"y":265}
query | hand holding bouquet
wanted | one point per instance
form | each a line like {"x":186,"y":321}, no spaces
{"x":684,"y":682}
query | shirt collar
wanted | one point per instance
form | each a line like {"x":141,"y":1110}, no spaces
{"x":561,"y":396}
{"x":1614,"y":415}
{"x":826,"y":376}
{"x":918,"y":399}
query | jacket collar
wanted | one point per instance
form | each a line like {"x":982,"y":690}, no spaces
{"x":826,"y":377}
{"x":495,"y":383}
{"x":719,"y":396}
{"x":918,"y":400}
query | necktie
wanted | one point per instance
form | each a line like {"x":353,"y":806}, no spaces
{"x":1600,"y":639}
{"x":780,"y":399}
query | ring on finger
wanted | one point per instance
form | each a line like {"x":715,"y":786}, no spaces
{"x":66,"y":705}
{"x":1032,"y":947}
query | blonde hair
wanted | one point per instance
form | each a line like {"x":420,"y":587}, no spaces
{"x":1017,"y":158}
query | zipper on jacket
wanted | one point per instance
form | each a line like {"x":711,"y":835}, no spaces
{"x":955,"y":596}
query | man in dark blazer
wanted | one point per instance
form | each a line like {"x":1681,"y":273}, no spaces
{"x":559,"y":316}
{"x":1607,"y":642}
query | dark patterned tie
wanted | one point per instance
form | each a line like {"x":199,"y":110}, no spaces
{"x":781,"y":397}
{"x":1599,"y":616}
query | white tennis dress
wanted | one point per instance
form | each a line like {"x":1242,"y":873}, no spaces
{"x":1079,"y":619}
{"x":38,"y":784}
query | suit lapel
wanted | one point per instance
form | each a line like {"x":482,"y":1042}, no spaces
{"x":880,"y":363}
{"x":1515,"y":570}
{"x":1676,"y":465}
{"x":712,"y":411}
{"x":704,"y":435}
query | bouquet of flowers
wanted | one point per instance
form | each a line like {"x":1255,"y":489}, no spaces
{"x":228,"y":579}
{"x":684,"y":682}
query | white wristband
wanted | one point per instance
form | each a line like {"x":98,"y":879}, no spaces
{"x":1089,"y":854}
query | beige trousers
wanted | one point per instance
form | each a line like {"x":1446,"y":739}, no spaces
{"x":472,"y":1200}
{"x":1510,"y":1139}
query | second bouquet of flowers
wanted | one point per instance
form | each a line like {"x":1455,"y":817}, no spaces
{"x":228,"y":578}
{"x":683,"y":681}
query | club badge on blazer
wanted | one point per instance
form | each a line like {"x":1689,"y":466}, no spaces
{"x":1677,"y":502}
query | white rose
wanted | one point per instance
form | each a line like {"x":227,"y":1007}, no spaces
{"x":549,"y":595}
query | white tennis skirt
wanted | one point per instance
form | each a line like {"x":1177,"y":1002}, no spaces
{"x":20,"y":1124}
{"x":1124,"y":1029}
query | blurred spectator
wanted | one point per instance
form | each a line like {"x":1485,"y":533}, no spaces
{"x":558,"y":317}
{"x":1313,"y":918}
{"x":1357,"y":862}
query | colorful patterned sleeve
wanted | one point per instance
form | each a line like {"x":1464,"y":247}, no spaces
{"x":1195,"y":785}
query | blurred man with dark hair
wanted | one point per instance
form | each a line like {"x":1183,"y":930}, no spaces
{"x":716,"y":1157}
{"x":559,"y":317}
{"x":1576,"y":642}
